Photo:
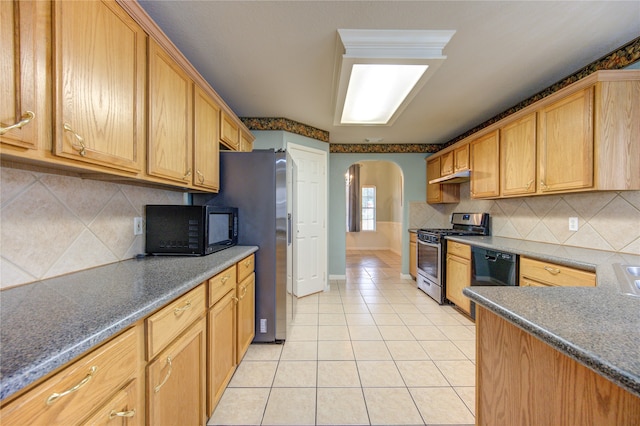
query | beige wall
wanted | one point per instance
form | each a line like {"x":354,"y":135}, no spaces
{"x":607,"y":220}
{"x":51,"y":225}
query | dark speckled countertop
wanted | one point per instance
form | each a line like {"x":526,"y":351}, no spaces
{"x":45,"y":324}
{"x":598,"y":327}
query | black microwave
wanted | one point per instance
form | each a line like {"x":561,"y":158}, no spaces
{"x":190,"y":230}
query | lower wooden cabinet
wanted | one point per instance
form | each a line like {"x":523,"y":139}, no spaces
{"x":72,"y":394}
{"x":221,"y":359}
{"x":458,"y":274}
{"x":176,"y":380}
{"x":246,"y":315}
{"x":534,"y":273}
{"x":121,"y":410}
{"x":521,"y":380}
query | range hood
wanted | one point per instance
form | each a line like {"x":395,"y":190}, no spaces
{"x":458,"y":177}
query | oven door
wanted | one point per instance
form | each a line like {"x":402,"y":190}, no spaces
{"x":430,"y":270}
{"x":429,"y":260}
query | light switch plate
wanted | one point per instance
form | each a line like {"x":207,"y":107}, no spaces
{"x":573,"y":224}
{"x":137,"y":226}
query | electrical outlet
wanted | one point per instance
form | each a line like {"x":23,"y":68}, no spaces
{"x":137,"y":226}
{"x":573,"y":224}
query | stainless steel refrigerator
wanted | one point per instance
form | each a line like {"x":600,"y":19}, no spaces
{"x":255,"y":182}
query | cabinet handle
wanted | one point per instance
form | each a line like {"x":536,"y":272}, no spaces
{"x":200,"y":176}
{"x":552,"y":271}
{"x":83,"y":149}
{"x":24,"y":121}
{"x":55,"y":396}
{"x":157,"y":388}
{"x":543,"y":185}
{"x":530,"y":182}
{"x":113,"y":414}
{"x":235,"y":299}
{"x":247,"y":263}
{"x":178,"y":311}
{"x":225,"y":279}
{"x":244,"y":292}
{"x":187,"y":175}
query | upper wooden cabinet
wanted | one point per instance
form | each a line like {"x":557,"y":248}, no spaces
{"x":485,"y":163}
{"x":439,"y":193}
{"x":206,"y":134}
{"x":518,"y":157}
{"x":230,"y":135}
{"x":246,"y":141}
{"x":99,"y":75}
{"x":461,"y":158}
{"x":446,"y":164}
{"x":170,"y":117}
{"x":565,"y":143}
{"x":24,"y":113}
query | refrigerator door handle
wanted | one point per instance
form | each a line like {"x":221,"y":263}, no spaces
{"x":289,"y":229}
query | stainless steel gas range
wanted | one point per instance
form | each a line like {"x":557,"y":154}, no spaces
{"x":432,"y":251}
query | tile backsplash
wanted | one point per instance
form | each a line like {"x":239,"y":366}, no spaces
{"x":51,"y":224}
{"x":607,"y":220}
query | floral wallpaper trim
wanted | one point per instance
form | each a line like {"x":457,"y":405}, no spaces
{"x":618,"y":59}
{"x":267,"y":123}
{"x":378,"y":148}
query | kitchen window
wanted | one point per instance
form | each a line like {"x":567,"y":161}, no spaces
{"x":368,"y":208}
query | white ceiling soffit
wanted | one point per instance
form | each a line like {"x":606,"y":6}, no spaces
{"x":277,"y":58}
{"x":367,"y":46}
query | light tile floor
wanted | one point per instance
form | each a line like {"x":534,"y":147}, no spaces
{"x":372,"y":350}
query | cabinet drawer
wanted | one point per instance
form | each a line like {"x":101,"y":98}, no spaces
{"x":221,"y":284}
{"x":459,"y":249}
{"x":245,"y":267}
{"x":166,"y":324}
{"x":121,"y":410}
{"x":552,"y":274}
{"x":526,"y":282}
{"x":69,"y":395}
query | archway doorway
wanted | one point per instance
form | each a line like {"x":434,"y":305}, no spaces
{"x":379,"y":199}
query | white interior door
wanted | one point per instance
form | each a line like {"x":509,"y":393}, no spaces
{"x":309,"y":224}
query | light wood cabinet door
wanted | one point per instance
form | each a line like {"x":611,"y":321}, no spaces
{"x":166,"y":324}
{"x":461,"y":158}
{"x":485,"y":164}
{"x":121,"y":410}
{"x":446,"y":164}
{"x":518,"y":157}
{"x":550,"y":274}
{"x":222,"y":360}
{"x":246,"y":315}
{"x":565,"y":143}
{"x":246,"y":141}
{"x":230,"y":135}
{"x":413,"y":255}
{"x":206,"y":145}
{"x":458,"y":274}
{"x":176,"y":381}
{"x":170,"y":118}
{"x":100,"y":72}
{"x":440,"y":193}
{"x":68,"y":396}
{"x":24,"y":71}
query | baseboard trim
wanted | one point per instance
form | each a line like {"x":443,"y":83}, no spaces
{"x":337,"y":277}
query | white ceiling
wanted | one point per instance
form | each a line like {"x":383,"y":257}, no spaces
{"x":276,"y":58}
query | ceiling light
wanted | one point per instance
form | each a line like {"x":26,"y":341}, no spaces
{"x":378,"y":72}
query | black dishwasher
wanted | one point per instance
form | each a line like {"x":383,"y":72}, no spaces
{"x":492,"y":268}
